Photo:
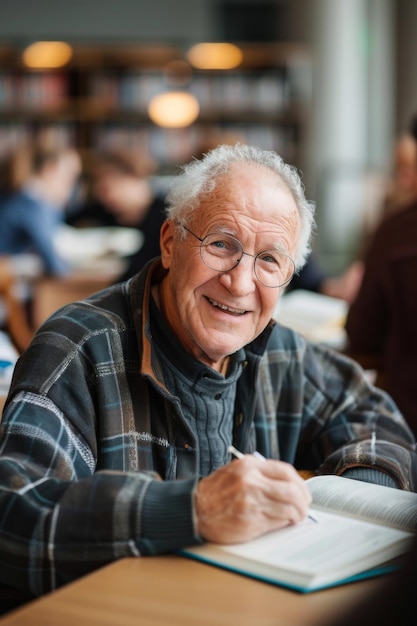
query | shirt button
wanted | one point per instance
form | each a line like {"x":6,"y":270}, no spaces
{"x":217,"y":396}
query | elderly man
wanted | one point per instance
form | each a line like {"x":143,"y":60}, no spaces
{"x":116,"y":431}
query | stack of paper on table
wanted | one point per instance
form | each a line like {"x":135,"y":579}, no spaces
{"x":83,"y":245}
{"x":315,"y":316}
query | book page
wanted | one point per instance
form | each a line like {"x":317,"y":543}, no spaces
{"x":311,"y":554}
{"x":393,"y":507}
{"x":312,"y":548}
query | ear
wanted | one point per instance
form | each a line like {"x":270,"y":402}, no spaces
{"x":166,"y":242}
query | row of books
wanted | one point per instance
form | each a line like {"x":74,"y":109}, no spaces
{"x":236,"y":92}
{"x":33,"y":91}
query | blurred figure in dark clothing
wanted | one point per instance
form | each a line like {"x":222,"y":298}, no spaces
{"x":381,"y":322}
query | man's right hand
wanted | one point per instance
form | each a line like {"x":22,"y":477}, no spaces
{"x":249,"y":497}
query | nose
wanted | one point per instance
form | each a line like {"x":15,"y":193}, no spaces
{"x":241,"y":280}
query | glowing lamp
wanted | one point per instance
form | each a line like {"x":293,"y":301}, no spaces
{"x":174,"y":109}
{"x":47,"y":54}
{"x":215,"y":56}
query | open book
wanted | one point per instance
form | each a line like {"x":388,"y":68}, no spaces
{"x":360,"y":528}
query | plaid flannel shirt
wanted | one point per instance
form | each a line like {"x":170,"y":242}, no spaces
{"x":89,"y":430}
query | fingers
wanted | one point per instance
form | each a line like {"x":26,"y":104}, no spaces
{"x":281,"y":493}
{"x":249,"y":497}
{"x":284,"y":483}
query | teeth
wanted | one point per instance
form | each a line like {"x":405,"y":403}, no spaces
{"x":227,"y":308}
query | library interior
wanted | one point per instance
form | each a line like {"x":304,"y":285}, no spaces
{"x":103,"y":106}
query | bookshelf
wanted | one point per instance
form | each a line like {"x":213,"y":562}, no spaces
{"x":100,"y":99}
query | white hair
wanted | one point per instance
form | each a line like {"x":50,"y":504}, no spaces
{"x":199,"y":177}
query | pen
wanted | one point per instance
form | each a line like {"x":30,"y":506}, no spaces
{"x":239,"y":455}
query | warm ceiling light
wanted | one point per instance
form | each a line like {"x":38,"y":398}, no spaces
{"x":215,"y":56}
{"x":47,"y":54}
{"x":174,"y":109}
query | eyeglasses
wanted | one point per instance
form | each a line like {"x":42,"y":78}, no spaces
{"x":223,"y":253}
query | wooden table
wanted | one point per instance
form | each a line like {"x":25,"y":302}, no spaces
{"x":175,"y":591}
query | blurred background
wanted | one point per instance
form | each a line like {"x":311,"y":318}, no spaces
{"x":329,"y":84}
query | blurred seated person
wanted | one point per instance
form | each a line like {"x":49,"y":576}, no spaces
{"x":313,"y":278}
{"x":381,"y":323}
{"x":121,"y":194}
{"x":41,"y":181}
{"x":393,"y":193}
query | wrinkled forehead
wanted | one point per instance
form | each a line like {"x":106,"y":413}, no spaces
{"x":250,"y":199}
{"x":245,"y":181}
{"x":245,"y":184}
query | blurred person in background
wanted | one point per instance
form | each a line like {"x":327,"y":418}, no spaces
{"x":393,"y":193}
{"x":381,"y":322}
{"x":402,"y":189}
{"x":40,"y":181}
{"x":121,"y":194}
{"x":313,"y":278}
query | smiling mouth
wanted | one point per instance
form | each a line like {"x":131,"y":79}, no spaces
{"x":228,"y":309}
